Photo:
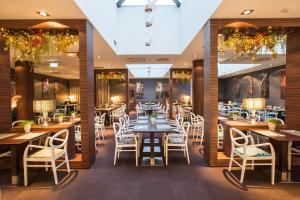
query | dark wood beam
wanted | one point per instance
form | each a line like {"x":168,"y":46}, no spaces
{"x":177,"y":2}
{"x":120,"y":2}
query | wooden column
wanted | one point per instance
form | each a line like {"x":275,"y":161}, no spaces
{"x":25,"y":88}
{"x":5,"y":93}
{"x":197,"y":87}
{"x":87,"y":100}
{"x":171,"y":94}
{"x":293,"y":81}
{"x":210,"y":92}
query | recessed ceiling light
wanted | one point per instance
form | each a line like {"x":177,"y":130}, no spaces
{"x":43,"y":13}
{"x":98,"y":57}
{"x":285,"y":10}
{"x":185,"y":64}
{"x":195,"y":55}
{"x":247,"y":12}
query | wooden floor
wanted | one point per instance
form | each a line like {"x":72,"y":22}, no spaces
{"x":178,"y":181}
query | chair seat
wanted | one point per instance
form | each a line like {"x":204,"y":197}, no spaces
{"x":253,"y":152}
{"x":176,"y":140}
{"x":46,"y":153}
{"x":127,"y":141}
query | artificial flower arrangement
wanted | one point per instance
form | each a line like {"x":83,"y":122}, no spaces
{"x":249,"y":41}
{"x":32,"y":44}
{"x":113,"y":77}
{"x":182,"y":76}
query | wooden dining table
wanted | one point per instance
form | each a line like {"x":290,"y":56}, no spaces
{"x":17,"y":141}
{"x":281,"y":140}
{"x":143,"y":125}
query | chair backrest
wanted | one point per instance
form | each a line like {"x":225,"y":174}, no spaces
{"x":41,"y":120}
{"x":185,"y":127}
{"x":116,"y":127}
{"x":77,"y":129}
{"x":220,"y":130}
{"x":102,"y":118}
{"x":16,"y":123}
{"x":238,"y":138}
{"x":60,"y":137}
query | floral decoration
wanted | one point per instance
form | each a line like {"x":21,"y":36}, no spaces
{"x":113,"y":77}
{"x":182,"y":76}
{"x":32,"y":44}
{"x":249,"y":41}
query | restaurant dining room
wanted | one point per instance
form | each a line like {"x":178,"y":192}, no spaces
{"x":149,"y":99}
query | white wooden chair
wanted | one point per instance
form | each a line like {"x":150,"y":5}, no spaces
{"x":198,"y":128}
{"x":244,"y":148}
{"x":178,"y":142}
{"x":78,"y":137}
{"x":220,"y":135}
{"x":292,"y":151}
{"x":125,"y":142}
{"x":48,"y":154}
{"x":99,"y":129}
{"x":116,"y":114}
{"x":15,"y":123}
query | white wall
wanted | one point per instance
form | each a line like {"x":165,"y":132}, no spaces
{"x":103,"y":15}
{"x":132,"y":33}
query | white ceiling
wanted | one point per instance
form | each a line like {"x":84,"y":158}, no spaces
{"x":67,"y":9}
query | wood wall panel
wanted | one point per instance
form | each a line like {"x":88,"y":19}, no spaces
{"x":210,"y":92}
{"x":293,"y":81}
{"x":197,"y":87}
{"x":87,"y":99}
{"x":24,"y":76}
{"x":5,"y":93}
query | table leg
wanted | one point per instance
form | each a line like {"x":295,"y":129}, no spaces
{"x":15,"y":165}
{"x":152,"y":161}
{"x":283,"y":161}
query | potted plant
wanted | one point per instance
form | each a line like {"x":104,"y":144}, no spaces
{"x":234,"y":115}
{"x":153,"y":119}
{"x":60,"y":117}
{"x":27,"y":125}
{"x":272,"y":123}
{"x":73,"y":114}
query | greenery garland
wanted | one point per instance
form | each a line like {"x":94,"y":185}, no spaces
{"x":183,"y":76}
{"x":32,"y":44}
{"x":250,"y":41}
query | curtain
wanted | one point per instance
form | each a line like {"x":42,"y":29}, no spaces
{"x":75,"y":90}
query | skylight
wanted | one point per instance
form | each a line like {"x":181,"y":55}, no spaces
{"x":149,"y":70}
{"x":143,"y":2}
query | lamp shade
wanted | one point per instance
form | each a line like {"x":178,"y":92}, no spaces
{"x":41,"y":106}
{"x":254,"y":103}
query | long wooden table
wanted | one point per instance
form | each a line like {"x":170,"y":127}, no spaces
{"x":17,"y":141}
{"x":280,"y":140}
{"x":143,"y":125}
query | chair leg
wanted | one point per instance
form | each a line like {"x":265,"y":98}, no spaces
{"x":136,"y":156}
{"x":187,"y":155}
{"x":25,"y":173}
{"x":54,"y":171}
{"x":46,"y":168}
{"x":243,"y":170}
{"x":252,"y":165}
{"x":167,"y":162}
{"x":273,"y":172}
{"x":230,"y":161}
{"x":115,"y":158}
{"x":201,"y":141}
{"x":67,"y":162}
